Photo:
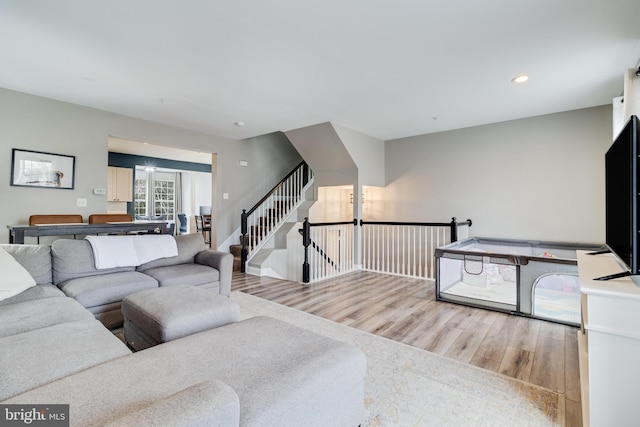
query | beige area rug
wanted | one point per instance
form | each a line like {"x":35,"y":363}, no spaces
{"x":406,"y":386}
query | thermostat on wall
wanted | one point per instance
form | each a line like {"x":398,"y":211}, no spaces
{"x":99,"y":191}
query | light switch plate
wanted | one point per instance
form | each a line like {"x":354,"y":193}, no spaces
{"x":81,"y":203}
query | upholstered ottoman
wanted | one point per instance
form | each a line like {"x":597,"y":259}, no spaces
{"x":154,"y":316}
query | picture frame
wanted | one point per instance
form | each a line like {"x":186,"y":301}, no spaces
{"x":41,"y":169}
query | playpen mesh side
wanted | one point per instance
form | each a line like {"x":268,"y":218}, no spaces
{"x":476,"y":280}
{"x":557,"y":297}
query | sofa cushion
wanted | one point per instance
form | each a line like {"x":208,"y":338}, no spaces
{"x":91,"y":291}
{"x":282,"y":374}
{"x":34,"y":293}
{"x":14,"y":278}
{"x":188,"y":246}
{"x":36,"y":259}
{"x":184,"y":274}
{"x":27,"y":316}
{"x":74,"y":258}
{"x":40,"y":356}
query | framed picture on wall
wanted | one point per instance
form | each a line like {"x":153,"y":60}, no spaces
{"x":39,"y":169}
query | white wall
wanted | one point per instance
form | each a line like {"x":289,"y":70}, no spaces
{"x":200,"y":191}
{"x":536,"y":178}
{"x":367,"y":153}
{"x":41,"y":124}
{"x":332,"y":205}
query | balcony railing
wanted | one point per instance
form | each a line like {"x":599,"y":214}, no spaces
{"x":407,"y":248}
{"x":399,"y":248}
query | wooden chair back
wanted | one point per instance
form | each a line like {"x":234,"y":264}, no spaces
{"x":55,"y":219}
{"x":106,"y":218}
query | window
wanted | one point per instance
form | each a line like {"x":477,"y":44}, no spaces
{"x":154,"y":194}
{"x":164,"y":198}
{"x":140,"y":196}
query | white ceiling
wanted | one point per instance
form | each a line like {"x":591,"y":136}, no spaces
{"x":385,"y":68}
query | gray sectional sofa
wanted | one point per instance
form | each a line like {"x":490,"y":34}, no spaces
{"x":102,"y":291}
{"x":256,"y":372}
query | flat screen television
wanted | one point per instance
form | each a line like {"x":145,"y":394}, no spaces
{"x":622,"y":174}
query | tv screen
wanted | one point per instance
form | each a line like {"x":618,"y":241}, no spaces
{"x":622,"y":180}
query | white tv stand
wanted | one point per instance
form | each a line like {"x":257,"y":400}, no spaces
{"x":609,"y":344}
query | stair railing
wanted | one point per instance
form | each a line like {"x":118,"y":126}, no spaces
{"x":259,"y":223}
{"x":333,"y":253}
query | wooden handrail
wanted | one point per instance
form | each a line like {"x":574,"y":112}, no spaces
{"x":278,"y":185}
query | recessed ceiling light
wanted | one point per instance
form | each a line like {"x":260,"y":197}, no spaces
{"x":239,"y":124}
{"x":520,"y":78}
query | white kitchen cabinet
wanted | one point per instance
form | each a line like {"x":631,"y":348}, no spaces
{"x":120,"y":185}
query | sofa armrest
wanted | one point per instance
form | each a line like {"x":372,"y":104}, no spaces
{"x":210,"y":403}
{"x":223,"y":262}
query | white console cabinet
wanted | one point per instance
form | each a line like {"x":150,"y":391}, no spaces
{"x":609,"y":344}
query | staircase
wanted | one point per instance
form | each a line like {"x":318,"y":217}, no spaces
{"x":264,"y":227}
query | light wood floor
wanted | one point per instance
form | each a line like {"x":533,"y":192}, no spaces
{"x":405,"y":310}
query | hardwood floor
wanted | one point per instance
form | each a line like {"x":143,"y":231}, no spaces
{"x":405,"y":310}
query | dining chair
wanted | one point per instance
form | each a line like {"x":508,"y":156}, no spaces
{"x":183,"y":223}
{"x":55,"y":219}
{"x":106,"y":218}
{"x":203,"y":228}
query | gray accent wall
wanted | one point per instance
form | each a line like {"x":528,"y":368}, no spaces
{"x":42,"y":124}
{"x":538,"y":178}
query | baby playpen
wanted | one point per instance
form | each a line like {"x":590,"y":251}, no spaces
{"x":536,"y":279}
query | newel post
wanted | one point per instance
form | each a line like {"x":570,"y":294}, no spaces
{"x":454,"y":230}
{"x":243,"y":238}
{"x":306,"y":241}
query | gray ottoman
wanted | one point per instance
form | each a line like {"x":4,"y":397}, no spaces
{"x":154,"y":316}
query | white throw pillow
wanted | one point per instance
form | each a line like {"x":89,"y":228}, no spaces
{"x":14,"y":278}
